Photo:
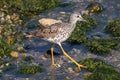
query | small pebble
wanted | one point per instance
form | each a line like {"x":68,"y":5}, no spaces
{"x":1,"y":71}
{"x":26,"y":78}
{"x":70,"y":70}
{"x":58,"y":65}
{"x":62,"y":13}
{"x":118,"y":65}
{"x":2,"y":66}
{"x":14,"y":54}
{"x":43,"y":58}
{"x":67,"y":78}
{"x":20,"y":48}
{"x":87,"y":74}
{"x":2,"y":20}
{"x":7,"y":17}
{"x":2,"y":14}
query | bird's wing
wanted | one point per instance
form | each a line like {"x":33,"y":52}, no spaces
{"x":50,"y":31}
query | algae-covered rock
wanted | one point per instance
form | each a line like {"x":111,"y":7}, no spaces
{"x":5,"y":48}
{"x":95,"y":8}
{"x":100,"y":70}
{"x":27,"y":8}
{"x":32,"y":5}
{"x":102,"y":45}
{"x":113,"y":28}
{"x":30,"y":69}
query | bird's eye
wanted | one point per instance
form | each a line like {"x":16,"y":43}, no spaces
{"x":77,"y":16}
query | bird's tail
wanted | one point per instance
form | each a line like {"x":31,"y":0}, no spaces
{"x":30,"y":34}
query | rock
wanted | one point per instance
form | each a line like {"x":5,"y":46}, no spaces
{"x":57,"y":65}
{"x":86,"y":12}
{"x":62,"y":13}
{"x":2,"y":14}
{"x":67,"y":78}
{"x":20,"y":48}
{"x":43,"y":57}
{"x":15,"y":16}
{"x":14,"y":54}
{"x":94,"y":8}
{"x":76,"y":51}
{"x":60,"y":18}
{"x":1,"y":28}
{"x":44,"y":22}
{"x":23,"y":54}
{"x":60,"y":61}
{"x":118,"y":65}
{"x":2,"y":20}
{"x":1,"y":71}
{"x":2,"y":66}
{"x":10,"y":40}
{"x":7,"y":64}
{"x":70,"y":70}
{"x":7,"y":17}
{"x":26,"y":78}
{"x":87,"y":74}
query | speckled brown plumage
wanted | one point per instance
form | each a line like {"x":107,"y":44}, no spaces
{"x":46,"y":32}
{"x":58,"y":32}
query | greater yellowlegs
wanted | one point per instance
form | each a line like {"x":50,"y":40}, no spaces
{"x":58,"y":33}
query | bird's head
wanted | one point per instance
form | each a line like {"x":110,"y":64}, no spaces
{"x":76,"y":17}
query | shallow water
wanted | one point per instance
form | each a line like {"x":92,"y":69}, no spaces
{"x":111,"y":12}
{"x":38,"y":47}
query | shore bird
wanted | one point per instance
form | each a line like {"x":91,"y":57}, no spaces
{"x":58,"y":33}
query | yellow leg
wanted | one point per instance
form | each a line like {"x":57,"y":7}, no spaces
{"x":52,"y":49}
{"x":79,"y":65}
{"x":53,"y":64}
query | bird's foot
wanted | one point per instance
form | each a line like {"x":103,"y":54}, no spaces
{"x":54,"y":65}
{"x":78,"y":69}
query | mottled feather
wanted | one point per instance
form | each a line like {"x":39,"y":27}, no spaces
{"x":58,"y":32}
{"x":50,"y":31}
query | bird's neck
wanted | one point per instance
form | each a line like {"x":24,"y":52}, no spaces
{"x":73,"y":25}
{"x":73,"y":22}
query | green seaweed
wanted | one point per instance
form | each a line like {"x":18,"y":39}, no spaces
{"x":5,"y":48}
{"x":102,"y":45}
{"x":100,"y":70}
{"x":30,"y":69}
{"x":28,"y":8}
{"x":113,"y":28}
{"x":95,"y":8}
